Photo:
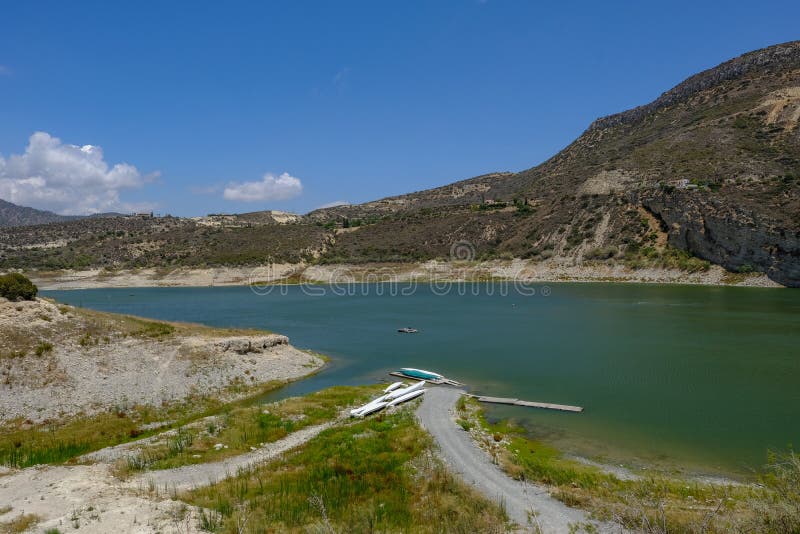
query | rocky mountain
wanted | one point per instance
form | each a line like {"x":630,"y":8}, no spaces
{"x":708,"y":172}
{"x":711,"y":168}
{"x":13,"y":215}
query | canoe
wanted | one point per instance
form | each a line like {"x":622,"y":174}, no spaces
{"x":363,"y":407}
{"x":420,"y":373}
{"x":393,"y":386}
{"x":405,"y":398}
{"x":372,"y":409}
{"x":400,"y":392}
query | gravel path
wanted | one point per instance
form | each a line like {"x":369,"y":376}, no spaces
{"x":463,"y":456}
{"x":193,"y":476}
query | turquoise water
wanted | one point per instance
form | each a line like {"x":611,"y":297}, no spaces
{"x":699,"y":377}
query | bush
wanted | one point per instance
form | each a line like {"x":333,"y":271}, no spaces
{"x":601,"y":253}
{"x":15,"y":286}
{"x":43,"y":348}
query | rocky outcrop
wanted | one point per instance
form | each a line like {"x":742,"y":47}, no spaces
{"x":247,"y":345}
{"x":729,"y":236}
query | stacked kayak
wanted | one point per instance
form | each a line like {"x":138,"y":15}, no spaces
{"x":393,"y":395}
{"x":420,"y":374}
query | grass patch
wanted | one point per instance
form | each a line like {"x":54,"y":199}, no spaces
{"x":42,"y":348}
{"x":23,"y":446}
{"x":376,"y":475}
{"x":237,"y":429}
{"x":153,"y":329}
{"x":669,"y":258}
{"x":653,"y":503}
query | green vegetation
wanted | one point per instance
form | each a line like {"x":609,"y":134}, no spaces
{"x":377,"y":475}
{"x":237,"y":429}
{"x":669,"y":258}
{"x":653,"y":502}
{"x":42,"y":348}
{"x":600,"y":253}
{"x":54,"y":443}
{"x":153,"y":329}
{"x":15,"y":286}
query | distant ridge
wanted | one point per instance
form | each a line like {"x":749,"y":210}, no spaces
{"x":13,"y":215}
{"x":780,"y":57}
{"x":709,"y":172}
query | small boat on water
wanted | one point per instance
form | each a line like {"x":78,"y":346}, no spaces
{"x":393,"y":386}
{"x":405,"y":398}
{"x":420,"y":374}
{"x":407,"y":330}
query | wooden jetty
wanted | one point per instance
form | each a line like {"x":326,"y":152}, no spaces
{"x":517,"y":402}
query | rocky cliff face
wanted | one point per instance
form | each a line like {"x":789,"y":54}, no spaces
{"x":735,"y":238}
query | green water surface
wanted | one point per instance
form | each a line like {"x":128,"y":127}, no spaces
{"x":701,"y":377}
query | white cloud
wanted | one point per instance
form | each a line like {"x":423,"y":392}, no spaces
{"x":5,"y":71}
{"x":269,"y":187}
{"x":333,"y":204}
{"x":64,"y":178}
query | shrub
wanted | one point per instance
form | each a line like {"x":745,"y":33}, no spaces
{"x":601,"y":253}
{"x":43,"y":347}
{"x":15,"y":286}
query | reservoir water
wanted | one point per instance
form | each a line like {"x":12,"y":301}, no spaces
{"x":698,"y":377}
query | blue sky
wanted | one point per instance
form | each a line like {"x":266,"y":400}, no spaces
{"x":333,"y":101}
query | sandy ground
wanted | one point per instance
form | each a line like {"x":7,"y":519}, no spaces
{"x":127,"y":371}
{"x":515,"y":270}
{"x":89,"y":498}
{"x":529,"y":505}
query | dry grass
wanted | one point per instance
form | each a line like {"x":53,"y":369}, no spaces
{"x":19,"y":524}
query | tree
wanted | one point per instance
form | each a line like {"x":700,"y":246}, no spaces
{"x":15,"y":286}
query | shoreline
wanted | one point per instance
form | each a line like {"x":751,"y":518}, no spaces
{"x":519,"y":271}
{"x":79,"y":362}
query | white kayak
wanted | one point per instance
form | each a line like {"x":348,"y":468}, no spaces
{"x":400,"y":392}
{"x":372,"y":408}
{"x":405,"y":398}
{"x":357,"y":411}
{"x":393,"y":386}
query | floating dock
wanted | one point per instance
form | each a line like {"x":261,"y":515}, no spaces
{"x":494,"y":400}
{"x":517,"y":402}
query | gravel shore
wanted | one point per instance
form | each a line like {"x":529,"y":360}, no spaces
{"x":516,"y":270}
